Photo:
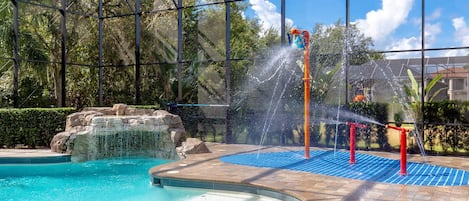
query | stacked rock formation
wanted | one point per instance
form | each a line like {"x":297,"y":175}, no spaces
{"x":120,"y":131}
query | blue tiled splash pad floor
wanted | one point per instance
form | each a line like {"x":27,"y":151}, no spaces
{"x":367,"y":167}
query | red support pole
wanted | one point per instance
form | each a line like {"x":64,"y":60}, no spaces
{"x":403,"y":148}
{"x":352,"y":144}
{"x":353,"y":139}
{"x":403,"y":152}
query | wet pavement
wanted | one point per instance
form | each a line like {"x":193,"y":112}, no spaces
{"x":305,"y":185}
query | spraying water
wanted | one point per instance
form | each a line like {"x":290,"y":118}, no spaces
{"x":338,"y":110}
{"x":269,"y":120}
{"x":281,"y":62}
{"x":401,"y":99}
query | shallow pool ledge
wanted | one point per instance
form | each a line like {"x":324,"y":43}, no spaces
{"x":31,"y":156}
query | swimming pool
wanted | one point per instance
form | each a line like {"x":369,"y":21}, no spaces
{"x":111,"y":179}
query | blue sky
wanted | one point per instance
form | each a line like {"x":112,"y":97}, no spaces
{"x":393,"y":24}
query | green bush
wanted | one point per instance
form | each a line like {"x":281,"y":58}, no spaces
{"x":446,"y":123}
{"x":31,"y":126}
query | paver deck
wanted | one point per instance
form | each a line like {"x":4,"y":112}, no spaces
{"x":304,"y":185}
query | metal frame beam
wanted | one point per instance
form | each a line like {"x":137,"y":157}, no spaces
{"x":137,"y":51}
{"x":422,"y":79}
{"x":16,"y":61}
{"x":282,"y":24}
{"x":347,"y":56}
{"x":100,"y":53}
{"x":63,"y":66}
{"x":228,"y":133}
{"x":180,"y":41}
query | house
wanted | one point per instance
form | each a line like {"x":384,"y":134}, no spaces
{"x":456,"y":80}
{"x":384,"y":80}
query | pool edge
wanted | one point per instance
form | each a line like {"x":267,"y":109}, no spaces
{"x":35,"y":159}
{"x":224,"y":186}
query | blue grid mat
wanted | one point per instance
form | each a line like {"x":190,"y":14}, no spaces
{"x":368,"y":167}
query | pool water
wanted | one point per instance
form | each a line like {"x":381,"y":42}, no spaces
{"x":111,"y":179}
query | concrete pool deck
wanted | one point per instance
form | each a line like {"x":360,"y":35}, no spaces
{"x":303,"y":185}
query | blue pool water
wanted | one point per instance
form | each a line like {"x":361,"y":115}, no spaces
{"x":113,"y":179}
{"x":368,"y":167}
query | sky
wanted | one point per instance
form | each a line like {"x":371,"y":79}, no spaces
{"x":392,"y":24}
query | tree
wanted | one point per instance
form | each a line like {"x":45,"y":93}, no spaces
{"x":328,"y":48}
{"x":33,"y":59}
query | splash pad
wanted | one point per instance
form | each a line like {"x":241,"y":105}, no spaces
{"x":341,"y":164}
{"x":368,"y":167}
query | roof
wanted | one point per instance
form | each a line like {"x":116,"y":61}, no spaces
{"x":452,"y":73}
{"x":397,"y":68}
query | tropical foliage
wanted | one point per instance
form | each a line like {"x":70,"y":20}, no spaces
{"x":202,"y":63}
{"x":414,"y":94}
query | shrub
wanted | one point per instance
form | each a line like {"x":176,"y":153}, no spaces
{"x":31,"y":126}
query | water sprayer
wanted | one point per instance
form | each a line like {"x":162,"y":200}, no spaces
{"x":300,"y":39}
{"x":403,"y":148}
{"x":353,"y":126}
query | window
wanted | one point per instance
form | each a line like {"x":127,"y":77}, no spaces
{"x":458,"y":84}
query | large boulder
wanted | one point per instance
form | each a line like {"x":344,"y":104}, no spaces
{"x":63,"y":142}
{"x":119,"y":109}
{"x":78,"y":120}
{"x":192,"y":146}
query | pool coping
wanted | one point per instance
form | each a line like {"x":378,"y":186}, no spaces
{"x":223,"y":186}
{"x":35,"y":160}
{"x":31,"y":156}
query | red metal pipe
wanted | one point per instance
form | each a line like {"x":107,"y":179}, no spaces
{"x":403,"y":148}
{"x":353,"y":126}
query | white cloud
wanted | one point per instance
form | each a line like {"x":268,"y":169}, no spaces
{"x":404,"y":44}
{"x":268,"y":15}
{"x":461,"y":33}
{"x":434,"y":16}
{"x":415,"y":42}
{"x":382,"y":22}
{"x":410,"y":43}
{"x":431,"y":33}
{"x":454,"y":53}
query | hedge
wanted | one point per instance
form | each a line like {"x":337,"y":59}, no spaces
{"x":446,"y":126}
{"x":31,"y":127}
